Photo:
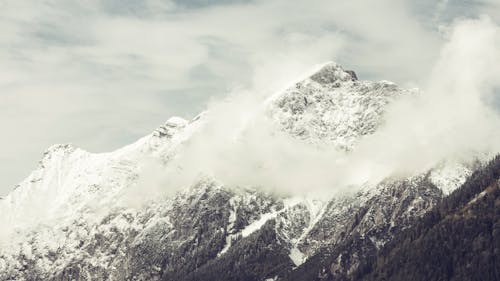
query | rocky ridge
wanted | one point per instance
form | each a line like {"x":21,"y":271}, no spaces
{"x":208,"y":227}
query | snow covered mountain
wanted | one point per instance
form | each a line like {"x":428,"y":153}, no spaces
{"x":106,"y":216}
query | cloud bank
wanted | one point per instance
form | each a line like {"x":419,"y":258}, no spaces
{"x":450,"y":119}
{"x":100,"y":74}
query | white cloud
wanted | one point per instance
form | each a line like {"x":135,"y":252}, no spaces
{"x":451,"y":118}
{"x":102,"y":73}
{"x":448,"y":120}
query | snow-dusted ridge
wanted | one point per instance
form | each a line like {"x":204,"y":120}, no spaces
{"x":69,"y":178}
{"x":69,"y":212}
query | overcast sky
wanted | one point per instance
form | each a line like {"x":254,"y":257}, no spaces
{"x":101,"y":74}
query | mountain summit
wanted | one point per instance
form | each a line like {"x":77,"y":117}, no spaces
{"x":332,"y":72}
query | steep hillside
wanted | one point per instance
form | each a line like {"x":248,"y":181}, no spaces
{"x":459,"y":239}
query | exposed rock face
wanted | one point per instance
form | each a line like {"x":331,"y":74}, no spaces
{"x":353,"y":74}
{"x":331,"y":107}
{"x":212,"y":230}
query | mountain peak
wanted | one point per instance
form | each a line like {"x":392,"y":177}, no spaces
{"x":332,"y":107}
{"x":58,"y":149}
{"x":172,"y":125}
{"x":332,"y":72}
{"x":127,"y":215}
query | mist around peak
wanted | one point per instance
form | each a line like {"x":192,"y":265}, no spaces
{"x":448,"y":120}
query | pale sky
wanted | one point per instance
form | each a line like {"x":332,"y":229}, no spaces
{"x":101,"y":74}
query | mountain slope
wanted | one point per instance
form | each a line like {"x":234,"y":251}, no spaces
{"x":458,"y":240}
{"x":85,"y":216}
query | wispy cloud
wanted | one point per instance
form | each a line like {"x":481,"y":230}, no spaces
{"x":101,"y":73}
{"x":450,"y":120}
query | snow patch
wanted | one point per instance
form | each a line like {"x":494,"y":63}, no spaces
{"x":256,"y":225}
{"x":450,"y":176}
{"x":176,"y":121}
{"x":229,"y":240}
{"x":477,"y":197}
{"x":296,"y":256}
